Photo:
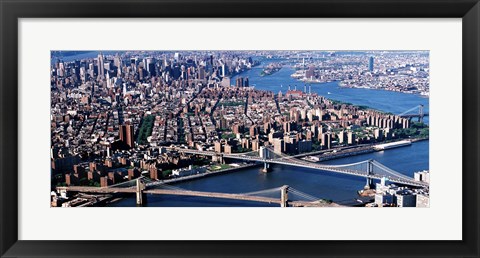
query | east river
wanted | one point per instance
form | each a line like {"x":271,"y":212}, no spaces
{"x":320,"y":184}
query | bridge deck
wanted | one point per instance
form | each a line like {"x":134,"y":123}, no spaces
{"x":242,"y":197}
{"x":215,"y":195}
{"x":312,"y":204}
{"x":92,"y":189}
{"x":300,"y":163}
{"x":88,"y":189}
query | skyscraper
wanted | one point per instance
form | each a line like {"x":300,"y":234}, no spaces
{"x":117,"y":61}
{"x":326,"y":140}
{"x":150,"y":66}
{"x":341,"y":137}
{"x":310,"y":73}
{"x":239,"y":82}
{"x":351,"y":138}
{"x":370,"y":64}
{"x":278,"y":145}
{"x":101,"y":70}
{"x":201,"y":72}
{"x":126,"y":135}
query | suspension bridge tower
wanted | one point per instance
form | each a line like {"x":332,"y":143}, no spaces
{"x":284,"y":196}
{"x":420,"y":113}
{"x":264,"y":153}
{"x":141,"y":196}
{"x":369,"y":184}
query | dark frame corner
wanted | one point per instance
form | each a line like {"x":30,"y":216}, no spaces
{"x":11,"y":11}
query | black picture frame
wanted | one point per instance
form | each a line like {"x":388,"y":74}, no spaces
{"x":11,"y":11}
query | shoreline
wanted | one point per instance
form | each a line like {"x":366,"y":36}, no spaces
{"x":340,"y":85}
{"x":354,"y":151}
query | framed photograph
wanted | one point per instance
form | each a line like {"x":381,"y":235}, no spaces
{"x":226,"y":128}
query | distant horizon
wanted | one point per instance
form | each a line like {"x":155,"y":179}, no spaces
{"x":233,"y":50}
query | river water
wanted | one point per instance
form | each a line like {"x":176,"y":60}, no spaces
{"x":320,"y":184}
{"x":388,"y":101}
{"x":325,"y":185}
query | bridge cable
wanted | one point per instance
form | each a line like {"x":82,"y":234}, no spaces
{"x":405,"y":112}
{"x":263,"y":191}
{"x":391,"y":171}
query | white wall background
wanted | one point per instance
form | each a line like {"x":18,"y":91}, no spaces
{"x":37,"y":221}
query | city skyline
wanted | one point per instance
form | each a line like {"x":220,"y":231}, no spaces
{"x":151,"y":121}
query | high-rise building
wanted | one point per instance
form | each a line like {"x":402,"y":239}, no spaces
{"x":224,"y":70}
{"x":278,"y":145}
{"x":423,"y":200}
{"x":289,"y":126}
{"x":117,"y":61}
{"x":267,"y":127}
{"x":126,"y":134}
{"x":176,"y":72}
{"x":61,"y":70}
{"x":255,"y":145}
{"x":326,"y":139}
{"x":253,"y":131}
{"x":370,"y":64}
{"x":422,"y":176}
{"x":201,"y":72}
{"x":406,"y":199}
{"x":225,"y":82}
{"x":290,"y":144}
{"x":237,"y":128}
{"x":341,"y":137}
{"x":218,"y":147}
{"x":150,"y":66}
{"x":308,"y":135}
{"x":310,"y":73}
{"x":304,"y":146}
{"x":101,"y":69}
{"x":351,"y":138}
{"x":378,"y":134}
{"x":228,"y":148}
{"x":239,"y":82}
